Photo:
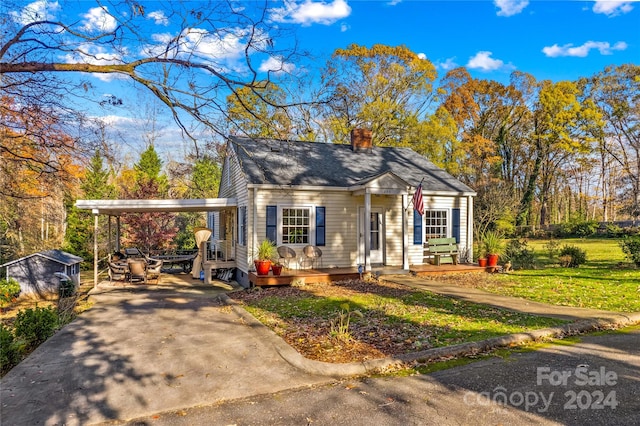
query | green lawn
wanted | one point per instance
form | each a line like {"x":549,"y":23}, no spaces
{"x":607,"y":280}
{"x":391,"y":318}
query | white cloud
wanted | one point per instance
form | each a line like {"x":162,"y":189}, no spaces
{"x":213,"y":45}
{"x":484,"y":62}
{"x":159,"y":17}
{"x":448,"y":64}
{"x":510,"y":7}
{"x":276,"y":65}
{"x":394,"y":2}
{"x":581,"y":51}
{"x":344,"y":28}
{"x":98,"y":19}
{"x":613,"y":7}
{"x":37,"y":11}
{"x":310,"y":12}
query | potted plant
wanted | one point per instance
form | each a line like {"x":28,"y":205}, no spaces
{"x":493,"y":246}
{"x":276,"y":268}
{"x":482,"y":256}
{"x":265,"y":254}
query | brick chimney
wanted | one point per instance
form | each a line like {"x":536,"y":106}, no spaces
{"x":361,"y":140}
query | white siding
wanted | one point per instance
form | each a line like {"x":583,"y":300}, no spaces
{"x":440,"y":203}
{"x":233,"y":184}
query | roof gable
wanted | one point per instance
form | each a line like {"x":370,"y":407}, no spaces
{"x":55,"y":255}
{"x":296,"y":163}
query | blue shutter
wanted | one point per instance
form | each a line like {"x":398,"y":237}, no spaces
{"x":272,"y":223}
{"x":238,"y":232}
{"x":455,"y":224}
{"x":417,"y":227}
{"x":320,"y":226}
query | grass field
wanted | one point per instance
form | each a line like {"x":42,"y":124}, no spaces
{"x":606,"y":281}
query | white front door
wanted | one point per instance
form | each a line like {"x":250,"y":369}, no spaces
{"x":377,"y":234}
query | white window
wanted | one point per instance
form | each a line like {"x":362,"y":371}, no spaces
{"x":436,"y":224}
{"x":296,"y":225}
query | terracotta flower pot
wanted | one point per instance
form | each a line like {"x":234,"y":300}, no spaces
{"x":276,"y":269}
{"x":482,"y":262}
{"x":492,"y":260}
{"x":262,"y":266}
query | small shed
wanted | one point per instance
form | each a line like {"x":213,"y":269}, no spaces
{"x":36,"y":273}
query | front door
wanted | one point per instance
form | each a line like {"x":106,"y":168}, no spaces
{"x":377,"y":235}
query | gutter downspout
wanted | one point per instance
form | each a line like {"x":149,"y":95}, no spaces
{"x":254,"y":225}
{"x":470,"y":227}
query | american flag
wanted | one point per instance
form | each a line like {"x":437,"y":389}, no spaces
{"x":418,"y":204}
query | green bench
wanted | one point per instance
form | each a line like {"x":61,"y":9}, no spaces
{"x":438,"y":247}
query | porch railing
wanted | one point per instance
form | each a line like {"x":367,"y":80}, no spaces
{"x":220,"y":251}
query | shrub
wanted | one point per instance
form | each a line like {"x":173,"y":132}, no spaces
{"x":552,"y":247}
{"x":572,"y":256}
{"x":586,"y":228}
{"x":35,"y":326}
{"x":613,"y":231}
{"x":9,"y":290}
{"x":520,"y":256}
{"x":9,"y":351}
{"x":631,"y":247}
{"x":577,"y":228}
{"x":67,"y":288}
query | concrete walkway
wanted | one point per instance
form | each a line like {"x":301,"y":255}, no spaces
{"x":141,"y":352}
{"x":470,"y":294}
{"x":135,"y":353}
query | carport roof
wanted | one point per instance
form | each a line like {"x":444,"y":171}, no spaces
{"x":117,"y":207}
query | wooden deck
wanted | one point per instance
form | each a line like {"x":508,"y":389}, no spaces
{"x":321,"y":275}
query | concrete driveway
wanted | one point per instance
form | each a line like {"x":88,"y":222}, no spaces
{"x":136,"y":353}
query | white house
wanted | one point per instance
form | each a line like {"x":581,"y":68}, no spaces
{"x":352,"y":201}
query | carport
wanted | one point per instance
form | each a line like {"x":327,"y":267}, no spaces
{"x":115,"y":208}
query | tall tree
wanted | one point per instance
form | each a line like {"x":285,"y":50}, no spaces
{"x":559,"y":125}
{"x":616,"y":93}
{"x":387,"y":89}
{"x":94,"y":185}
{"x":148,"y":231}
{"x":212,"y":49}
{"x":257,"y":112}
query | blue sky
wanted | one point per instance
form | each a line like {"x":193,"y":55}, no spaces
{"x":553,"y":40}
{"x":556,"y":40}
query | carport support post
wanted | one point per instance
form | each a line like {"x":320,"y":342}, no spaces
{"x":95,"y":247}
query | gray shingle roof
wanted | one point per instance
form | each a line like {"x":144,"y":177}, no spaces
{"x":268,"y":161}
{"x":55,"y":255}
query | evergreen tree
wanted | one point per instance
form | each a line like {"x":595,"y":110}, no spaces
{"x":149,"y":168}
{"x":95,"y":185}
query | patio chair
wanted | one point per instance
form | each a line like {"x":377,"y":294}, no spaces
{"x":285,"y":255}
{"x":117,"y":272}
{"x":137,"y":270}
{"x":154,"y":269}
{"x":312,"y":254}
